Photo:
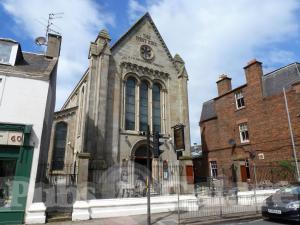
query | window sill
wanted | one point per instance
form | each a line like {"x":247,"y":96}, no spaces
{"x":245,"y":143}
{"x":243,"y":107}
{"x":57,"y":172}
{"x":134,"y":132}
{"x":130,"y":132}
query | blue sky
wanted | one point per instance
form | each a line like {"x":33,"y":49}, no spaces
{"x":212,"y":36}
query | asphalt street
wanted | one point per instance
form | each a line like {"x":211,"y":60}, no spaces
{"x":258,"y":222}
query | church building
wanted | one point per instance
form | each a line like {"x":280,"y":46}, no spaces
{"x":133,"y":83}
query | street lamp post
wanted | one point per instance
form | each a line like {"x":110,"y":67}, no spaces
{"x":255,"y":182}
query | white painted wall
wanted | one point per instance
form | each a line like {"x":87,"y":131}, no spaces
{"x":24,"y":101}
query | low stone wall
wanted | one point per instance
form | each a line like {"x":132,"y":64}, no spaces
{"x":103,"y":208}
{"x":248,"y":197}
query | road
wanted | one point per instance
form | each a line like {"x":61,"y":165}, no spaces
{"x":258,"y":222}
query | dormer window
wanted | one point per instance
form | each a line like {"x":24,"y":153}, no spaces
{"x":8,"y":52}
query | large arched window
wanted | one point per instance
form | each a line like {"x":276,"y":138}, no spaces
{"x":59,"y":148}
{"x":143,"y":106}
{"x":130,"y":104}
{"x":156,"y":114}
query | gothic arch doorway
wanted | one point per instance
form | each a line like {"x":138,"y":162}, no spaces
{"x":139,"y":157}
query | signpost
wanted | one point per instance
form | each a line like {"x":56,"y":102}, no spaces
{"x":179,"y":137}
{"x":179,"y":146}
{"x":148,"y":177}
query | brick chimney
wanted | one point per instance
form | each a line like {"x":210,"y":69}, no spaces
{"x":254,"y":73}
{"x":224,"y":84}
{"x":53,"y":48}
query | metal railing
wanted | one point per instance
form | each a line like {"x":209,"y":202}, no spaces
{"x":220,"y":205}
{"x":57,"y":188}
{"x":130,"y":181}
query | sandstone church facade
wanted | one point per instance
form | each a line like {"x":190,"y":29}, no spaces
{"x":128,"y":85}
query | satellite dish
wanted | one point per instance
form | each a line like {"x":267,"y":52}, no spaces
{"x":231,"y":142}
{"x":40,"y":41}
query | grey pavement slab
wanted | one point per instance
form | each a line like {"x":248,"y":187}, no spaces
{"x":169,"y":219}
{"x":156,"y":219}
{"x":258,"y":222}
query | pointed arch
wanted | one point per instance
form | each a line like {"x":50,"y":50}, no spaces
{"x":139,"y":150}
{"x":131,"y":75}
{"x":161,"y":83}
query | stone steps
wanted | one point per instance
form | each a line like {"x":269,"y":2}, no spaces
{"x":58,"y":217}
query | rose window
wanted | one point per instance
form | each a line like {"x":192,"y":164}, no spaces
{"x":146,"y":52}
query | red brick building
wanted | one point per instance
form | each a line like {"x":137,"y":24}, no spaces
{"x":251,"y":120}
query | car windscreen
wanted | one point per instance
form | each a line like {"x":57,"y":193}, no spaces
{"x":293,"y":190}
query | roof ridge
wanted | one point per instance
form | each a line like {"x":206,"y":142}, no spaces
{"x":8,"y":40}
{"x":33,"y":53}
{"x":74,"y":89}
{"x":283,"y":67}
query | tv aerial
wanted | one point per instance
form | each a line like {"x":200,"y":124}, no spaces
{"x":42,"y":40}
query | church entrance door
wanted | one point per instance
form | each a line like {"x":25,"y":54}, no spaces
{"x":140,"y":170}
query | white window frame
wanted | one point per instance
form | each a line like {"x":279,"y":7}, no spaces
{"x":243,"y":128}
{"x":213,"y":168}
{"x":13,"y":54}
{"x":2,"y":84}
{"x":238,"y":96}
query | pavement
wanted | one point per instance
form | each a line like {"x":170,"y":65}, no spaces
{"x":163,"y":219}
{"x":258,"y":222}
{"x":157,"y":219}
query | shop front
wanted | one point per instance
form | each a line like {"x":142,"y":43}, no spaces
{"x":15,"y":165}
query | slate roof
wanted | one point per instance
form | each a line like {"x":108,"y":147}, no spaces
{"x":32,"y":65}
{"x":272,"y":82}
{"x":208,"y":110}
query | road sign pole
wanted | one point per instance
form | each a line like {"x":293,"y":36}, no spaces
{"x":178,"y":192}
{"x":148,"y":177}
{"x":179,"y":146}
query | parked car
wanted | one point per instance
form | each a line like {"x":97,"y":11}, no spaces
{"x":284,"y":204}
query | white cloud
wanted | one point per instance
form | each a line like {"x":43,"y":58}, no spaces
{"x":135,"y":9}
{"x":82,"y":20}
{"x":217,"y":36}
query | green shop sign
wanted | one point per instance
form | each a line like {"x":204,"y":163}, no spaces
{"x":15,"y":165}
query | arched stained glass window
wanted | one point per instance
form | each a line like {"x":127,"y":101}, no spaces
{"x":59,"y":148}
{"x":156,"y":114}
{"x":130,"y":105}
{"x":143,"y":106}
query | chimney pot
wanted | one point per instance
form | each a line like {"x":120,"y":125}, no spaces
{"x":223,"y":76}
{"x":252,"y":62}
